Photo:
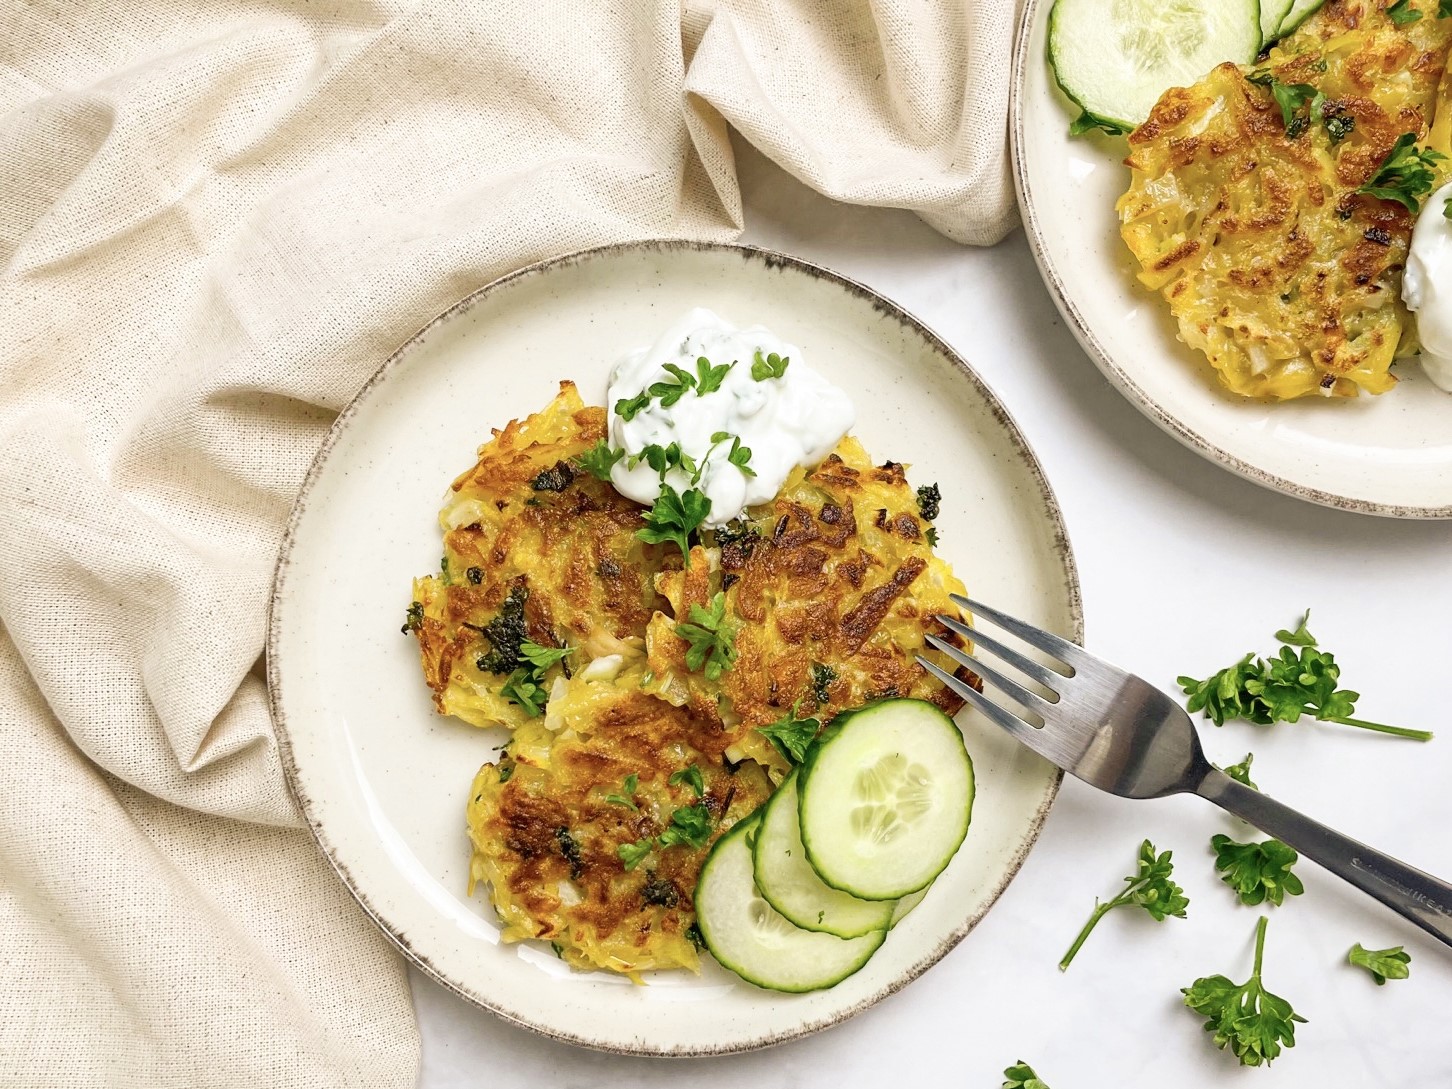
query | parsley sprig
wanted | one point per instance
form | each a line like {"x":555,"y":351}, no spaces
{"x":675,"y":516}
{"x":1150,"y":887}
{"x":1257,"y":872}
{"x":1406,"y":175}
{"x":599,"y":460}
{"x":690,"y":826}
{"x":1246,"y":1018}
{"x":680,"y":382}
{"x":1402,"y":12}
{"x":626,"y":796}
{"x":764,"y":367}
{"x":1021,"y":1076}
{"x":690,"y":777}
{"x":1241,"y":772}
{"x":1383,"y":964}
{"x":526,"y":685}
{"x":1300,"y":680}
{"x":712,"y":639}
{"x":790,"y":735}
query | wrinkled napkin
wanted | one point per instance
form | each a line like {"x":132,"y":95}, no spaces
{"x":217,"y":217}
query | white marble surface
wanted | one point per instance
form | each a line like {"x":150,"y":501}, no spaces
{"x":1184,"y":568}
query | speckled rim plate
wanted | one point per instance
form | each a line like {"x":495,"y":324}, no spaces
{"x":383,"y":781}
{"x":1389,"y":455}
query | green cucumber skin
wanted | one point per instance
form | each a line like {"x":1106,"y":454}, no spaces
{"x":1052,"y":34}
{"x":804,"y":772}
{"x":775,"y":800}
{"x":1268,"y":34}
{"x":740,"y":829}
{"x":1287,"y":26}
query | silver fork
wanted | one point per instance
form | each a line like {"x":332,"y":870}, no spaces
{"x":1121,"y":734}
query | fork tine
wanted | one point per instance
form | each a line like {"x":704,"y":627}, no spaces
{"x":1039,"y":672}
{"x":1026,"y":699}
{"x":1056,"y":746}
{"x":1062,"y":649}
{"x":1007,"y":719}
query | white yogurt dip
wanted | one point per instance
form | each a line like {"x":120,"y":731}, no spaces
{"x":1427,"y":286}
{"x":793,"y":419}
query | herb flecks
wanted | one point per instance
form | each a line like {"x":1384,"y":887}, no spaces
{"x":792,"y":736}
{"x":1406,"y":175}
{"x":1245,"y":1018}
{"x":823,"y":678}
{"x":505,"y":634}
{"x":1300,"y":680}
{"x":413,"y":618}
{"x":712,"y":639}
{"x":1150,"y":887}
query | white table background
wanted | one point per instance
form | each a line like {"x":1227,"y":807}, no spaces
{"x":1184,"y":568}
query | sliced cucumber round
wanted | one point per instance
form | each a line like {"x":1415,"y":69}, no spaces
{"x":1272,"y":14}
{"x":1116,"y":58}
{"x":901,"y":909}
{"x":788,"y":883}
{"x":1299,"y":12}
{"x":885,"y":796}
{"x":749,"y":937}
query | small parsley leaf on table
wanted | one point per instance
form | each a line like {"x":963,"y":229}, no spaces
{"x":1300,"y":680}
{"x":712,"y":639}
{"x":1383,"y":964}
{"x":1241,"y":772}
{"x":1257,"y":872}
{"x":1150,"y":887}
{"x":1246,"y":1018}
{"x":1021,"y":1076}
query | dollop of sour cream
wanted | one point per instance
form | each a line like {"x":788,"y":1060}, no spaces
{"x":787,"y":421}
{"x":1427,"y":286}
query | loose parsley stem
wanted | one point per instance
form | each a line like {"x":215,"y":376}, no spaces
{"x":1397,"y":731}
{"x":1100,"y":910}
{"x":1259,"y":946}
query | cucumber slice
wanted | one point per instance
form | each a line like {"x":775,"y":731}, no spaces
{"x":746,"y":934}
{"x":1300,"y":11}
{"x":885,"y":796}
{"x":1272,"y":14}
{"x":788,"y":883}
{"x":1116,"y":59}
{"x":901,"y":909}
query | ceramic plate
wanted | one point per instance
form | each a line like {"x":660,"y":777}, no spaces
{"x":383,"y":780}
{"x":1383,"y":455}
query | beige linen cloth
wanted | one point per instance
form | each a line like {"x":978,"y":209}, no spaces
{"x":217,"y":217}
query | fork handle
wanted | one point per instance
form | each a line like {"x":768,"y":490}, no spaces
{"x":1405,"y":889}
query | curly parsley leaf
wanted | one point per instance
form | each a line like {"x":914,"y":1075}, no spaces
{"x":712,"y":639}
{"x":768,"y":366}
{"x":1246,"y":1018}
{"x":626,"y":797}
{"x":1402,"y":12}
{"x":709,"y":378}
{"x":1241,"y":772}
{"x":599,"y":460}
{"x":543,"y":657}
{"x":633,"y":854}
{"x":675,"y":516}
{"x":790,"y":735}
{"x":526,"y":685}
{"x":1300,"y":680}
{"x":690,"y":777}
{"x":628,"y":407}
{"x":1257,"y":872}
{"x":1021,"y":1076}
{"x":1383,"y":964}
{"x":690,"y":827}
{"x":1150,"y":887}
{"x":1088,"y":121}
{"x":1406,"y":175}
{"x":1292,"y":98}
{"x":738,"y":455}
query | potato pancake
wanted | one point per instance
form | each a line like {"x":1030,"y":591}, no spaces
{"x":551,"y":617}
{"x":533,"y":549}
{"x":1249,"y":222}
{"x":610,"y":767}
{"x":830,"y":591}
